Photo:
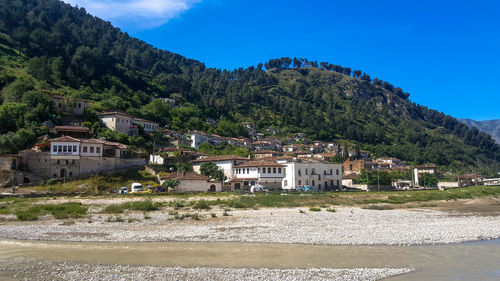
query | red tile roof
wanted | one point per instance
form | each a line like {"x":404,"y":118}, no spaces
{"x":72,"y":129}
{"x":220,"y":158}
{"x":64,"y":139}
{"x":260,"y":163}
{"x":185,"y":176}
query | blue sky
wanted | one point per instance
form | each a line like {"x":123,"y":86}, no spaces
{"x":446,"y":54}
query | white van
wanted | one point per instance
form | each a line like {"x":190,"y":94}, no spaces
{"x":136,"y":187}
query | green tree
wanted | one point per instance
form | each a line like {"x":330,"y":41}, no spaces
{"x":212,"y":171}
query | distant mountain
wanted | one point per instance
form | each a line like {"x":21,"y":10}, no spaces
{"x":491,"y":127}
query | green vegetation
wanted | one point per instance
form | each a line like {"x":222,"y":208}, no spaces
{"x":60,"y":211}
{"x":48,"y":47}
{"x":315,"y":209}
{"x":144,"y":205}
{"x":212,"y":171}
{"x":331,"y":210}
{"x":202,"y":204}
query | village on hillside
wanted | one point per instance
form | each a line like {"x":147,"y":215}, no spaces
{"x":273,"y":164}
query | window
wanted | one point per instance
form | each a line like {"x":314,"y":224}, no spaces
{"x":337,"y":172}
{"x":331,"y":182}
{"x":65,"y":148}
{"x":85,"y":149}
{"x":307,"y":171}
{"x":252,"y":182}
{"x":299,"y":172}
{"x":75,"y":149}
{"x":312,"y":171}
{"x":279,"y":170}
{"x":324,"y":173}
{"x":79,"y":105}
{"x":60,"y":148}
{"x":54,"y":148}
{"x":268,"y":170}
{"x":331,"y":172}
{"x":58,"y":161}
{"x":248,"y":170}
{"x":98,"y":150}
{"x":258,"y":170}
{"x":300,"y":182}
{"x":263,"y":170}
{"x":91,"y":149}
{"x":274,"y":170}
{"x":313,"y":183}
{"x":350,"y":167}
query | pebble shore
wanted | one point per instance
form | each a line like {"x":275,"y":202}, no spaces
{"x":346,"y":226}
{"x":32,"y":269}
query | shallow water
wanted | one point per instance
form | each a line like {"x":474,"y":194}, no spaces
{"x":468,"y":261}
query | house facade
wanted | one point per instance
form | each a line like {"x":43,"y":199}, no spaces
{"x":68,"y":157}
{"x":316,"y":174}
{"x":264,"y":172}
{"x":127,"y":124}
{"x":70,"y":105}
{"x":193,"y":182}
{"x":225,"y":163}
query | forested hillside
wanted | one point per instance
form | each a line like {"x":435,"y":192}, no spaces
{"x":47,"y":46}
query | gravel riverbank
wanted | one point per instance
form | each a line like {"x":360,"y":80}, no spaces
{"x":32,"y":269}
{"x":346,"y":226}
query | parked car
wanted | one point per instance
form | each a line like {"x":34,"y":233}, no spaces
{"x":135,"y":187}
{"x":123,"y":190}
{"x":258,"y":188}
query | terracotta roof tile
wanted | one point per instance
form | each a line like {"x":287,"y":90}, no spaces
{"x":72,"y":129}
{"x":220,"y":158}
{"x":64,"y":139}
{"x":185,"y":176}
{"x":260,"y":163}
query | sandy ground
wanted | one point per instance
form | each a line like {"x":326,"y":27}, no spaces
{"x":346,"y":226}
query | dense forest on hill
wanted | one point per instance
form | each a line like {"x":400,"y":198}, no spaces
{"x":47,"y":46}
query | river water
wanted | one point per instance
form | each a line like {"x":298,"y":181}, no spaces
{"x":468,"y":261}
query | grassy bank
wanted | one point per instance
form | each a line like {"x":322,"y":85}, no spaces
{"x":32,"y":208}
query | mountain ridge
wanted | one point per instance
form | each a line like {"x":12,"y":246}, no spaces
{"x":491,"y":127}
{"x":47,"y":46}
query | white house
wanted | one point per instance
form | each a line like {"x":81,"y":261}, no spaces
{"x":197,"y":138}
{"x":264,"y":172}
{"x":224,"y":162}
{"x":126,"y":124}
{"x":317,"y":174}
{"x":65,"y":147}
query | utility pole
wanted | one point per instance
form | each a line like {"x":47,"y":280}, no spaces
{"x":378,"y":178}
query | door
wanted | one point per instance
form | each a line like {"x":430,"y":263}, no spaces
{"x":212,"y":188}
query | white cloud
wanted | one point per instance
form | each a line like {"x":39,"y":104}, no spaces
{"x":137,"y":14}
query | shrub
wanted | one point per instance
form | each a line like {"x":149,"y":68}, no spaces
{"x":315,"y":209}
{"x":202,"y":204}
{"x":331,"y":210}
{"x":28,"y":215}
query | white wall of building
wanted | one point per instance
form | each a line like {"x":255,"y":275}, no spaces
{"x":226,"y":166}
{"x":65,"y":148}
{"x":91,"y":149}
{"x":317,"y":175}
